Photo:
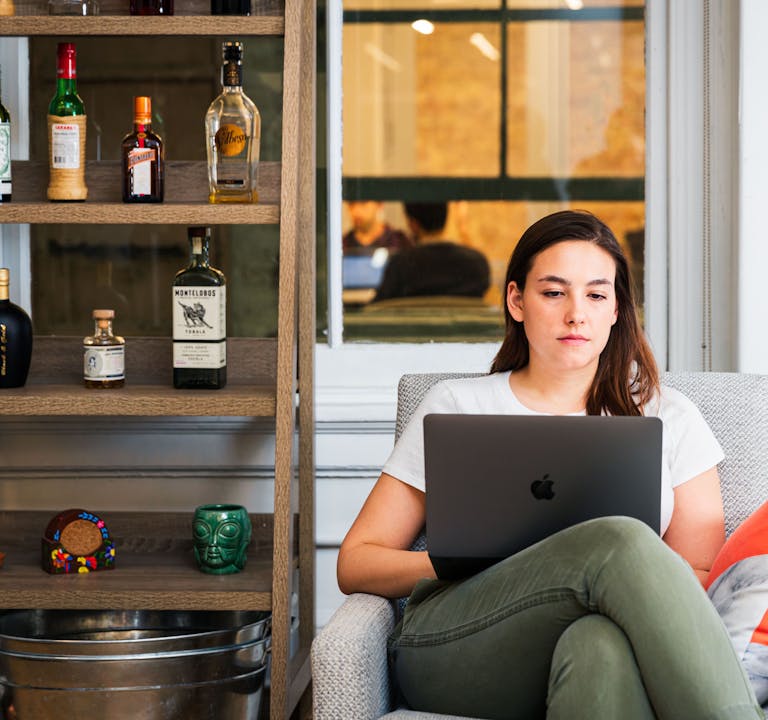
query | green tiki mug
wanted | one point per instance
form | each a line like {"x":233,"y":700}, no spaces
{"x":221,"y":534}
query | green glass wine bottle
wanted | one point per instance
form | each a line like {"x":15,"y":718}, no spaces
{"x":66,"y":131}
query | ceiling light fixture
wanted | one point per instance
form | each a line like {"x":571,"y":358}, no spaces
{"x":425,"y":27}
{"x":485,"y":46}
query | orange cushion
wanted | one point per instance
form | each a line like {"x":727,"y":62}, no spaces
{"x":738,"y":588}
{"x":750,"y":538}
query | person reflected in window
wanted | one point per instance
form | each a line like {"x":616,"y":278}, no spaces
{"x":434,"y":265}
{"x":369,"y":231}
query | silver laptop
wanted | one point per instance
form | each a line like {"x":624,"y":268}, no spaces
{"x":499,"y":483}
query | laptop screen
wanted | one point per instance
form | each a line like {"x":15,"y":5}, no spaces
{"x":363,"y":271}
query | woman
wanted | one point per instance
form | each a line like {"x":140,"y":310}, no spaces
{"x":603,"y":619}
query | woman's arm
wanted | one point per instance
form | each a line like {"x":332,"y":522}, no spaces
{"x":697,"y":529}
{"x":374,"y":556}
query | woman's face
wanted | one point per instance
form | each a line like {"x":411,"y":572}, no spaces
{"x":568,"y":305}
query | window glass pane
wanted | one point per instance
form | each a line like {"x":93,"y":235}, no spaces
{"x":576,"y":99}
{"x":130,"y":269}
{"x":420,"y":105}
{"x":506,"y":114}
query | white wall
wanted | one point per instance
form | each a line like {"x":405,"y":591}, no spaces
{"x":753,"y":188}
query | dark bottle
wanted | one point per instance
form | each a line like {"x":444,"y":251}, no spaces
{"x":5,"y":154}
{"x":199,"y":319}
{"x":15,"y":338}
{"x":230,"y":7}
{"x":143,"y":157}
{"x":151,"y":7}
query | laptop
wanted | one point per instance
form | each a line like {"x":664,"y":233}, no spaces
{"x":361,"y":274}
{"x":499,"y":483}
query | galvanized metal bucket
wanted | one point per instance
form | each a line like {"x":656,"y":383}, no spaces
{"x":133,"y":665}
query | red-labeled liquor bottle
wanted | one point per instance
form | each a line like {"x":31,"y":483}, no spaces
{"x":66,"y":131}
{"x":15,"y":338}
{"x":199,"y":319}
{"x":143,"y":156}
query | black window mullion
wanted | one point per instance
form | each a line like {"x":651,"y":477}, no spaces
{"x":532,"y":189}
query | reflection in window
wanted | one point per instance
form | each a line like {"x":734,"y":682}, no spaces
{"x":504,"y":113}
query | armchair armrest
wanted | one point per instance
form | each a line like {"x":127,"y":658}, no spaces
{"x":349,"y":661}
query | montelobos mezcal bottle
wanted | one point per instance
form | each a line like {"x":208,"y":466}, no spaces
{"x":199,"y":319}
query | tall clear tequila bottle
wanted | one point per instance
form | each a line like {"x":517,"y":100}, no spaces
{"x":233,"y":135}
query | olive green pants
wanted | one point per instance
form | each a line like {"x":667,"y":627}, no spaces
{"x":597,"y":622}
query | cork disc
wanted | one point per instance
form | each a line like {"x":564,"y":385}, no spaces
{"x":81,"y":537}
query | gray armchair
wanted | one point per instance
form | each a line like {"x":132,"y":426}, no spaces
{"x":349,"y":660}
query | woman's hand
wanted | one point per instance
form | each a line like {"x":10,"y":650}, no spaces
{"x":374,"y":556}
{"x":697,"y":529}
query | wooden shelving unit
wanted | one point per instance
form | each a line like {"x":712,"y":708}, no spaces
{"x":117,"y":25}
{"x":140,"y":400}
{"x":268,"y":378}
{"x":154,"y":568}
{"x":186,"y":198}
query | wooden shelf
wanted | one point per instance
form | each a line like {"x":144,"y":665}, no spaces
{"x":154,"y":567}
{"x":22,"y":25}
{"x":139,"y":400}
{"x":124,"y":214}
{"x":55,"y":384}
{"x":186,"y":198}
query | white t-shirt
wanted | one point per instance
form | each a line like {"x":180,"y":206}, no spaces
{"x":688,"y":446}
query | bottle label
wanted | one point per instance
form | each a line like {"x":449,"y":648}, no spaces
{"x":140,"y":169}
{"x":231,"y":140}
{"x":65,"y":146}
{"x":104,"y":362}
{"x":5,"y":158}
{"x":199,"y":326}
{"x":203,"y":356}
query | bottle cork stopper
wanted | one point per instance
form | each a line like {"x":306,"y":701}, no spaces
{"x":103,"y":314}
{"x":5,"y":276}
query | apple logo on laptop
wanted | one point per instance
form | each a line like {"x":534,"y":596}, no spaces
{"x":542,"y":489}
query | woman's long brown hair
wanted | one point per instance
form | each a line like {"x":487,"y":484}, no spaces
{"x":627,"y":377}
